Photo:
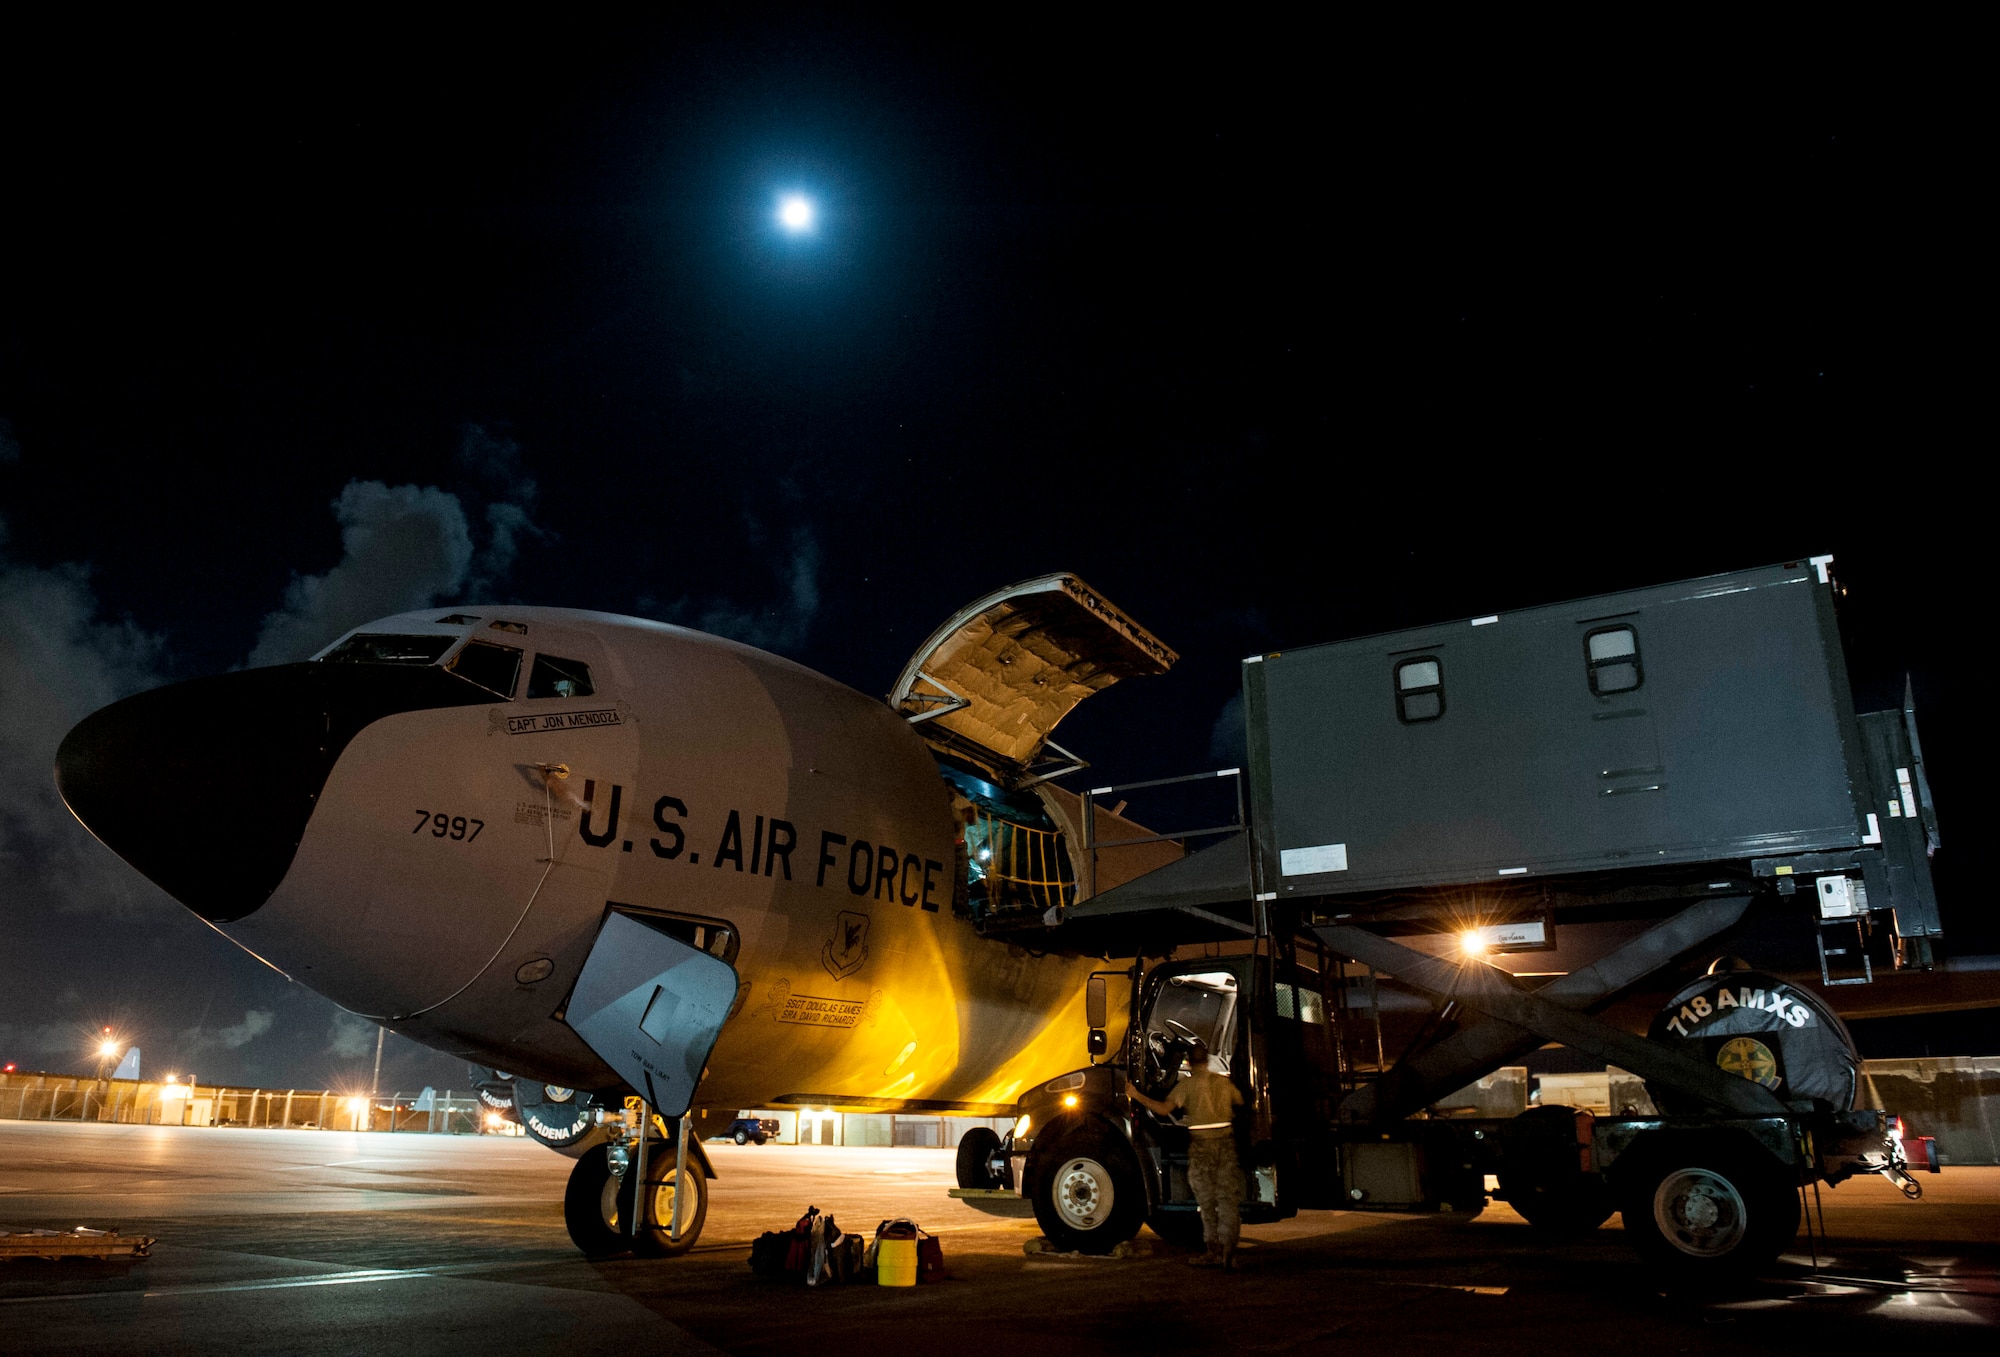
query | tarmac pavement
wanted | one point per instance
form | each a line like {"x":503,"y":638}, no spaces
{"x":335,"y":1242}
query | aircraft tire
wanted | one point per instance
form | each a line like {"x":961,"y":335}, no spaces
{"x":655,"y":1238}
{"x":1086,"y":1190}
{"x":591,"y":1207}
{"x":975,"y":1156}
{"x":1700,"y":1210}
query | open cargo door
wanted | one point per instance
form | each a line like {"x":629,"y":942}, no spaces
{"x":991,"y":684}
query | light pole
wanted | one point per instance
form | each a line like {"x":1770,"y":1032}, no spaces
{"x":107,"y":1055}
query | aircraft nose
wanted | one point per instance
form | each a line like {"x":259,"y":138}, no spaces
{"x":206,"y":786}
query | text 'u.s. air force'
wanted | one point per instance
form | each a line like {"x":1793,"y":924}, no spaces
{"x":765,"y":845}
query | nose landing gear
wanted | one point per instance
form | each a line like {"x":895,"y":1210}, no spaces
{"x":628,"y":1182}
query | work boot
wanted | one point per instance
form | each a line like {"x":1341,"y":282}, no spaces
{"x":1208,"y":1259}
{"x":1227,"y":1259}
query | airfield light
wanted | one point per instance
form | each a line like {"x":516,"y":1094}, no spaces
{"x":108,"y":1049}
{"x":1472,"y":943}
{"x":795,"y":213}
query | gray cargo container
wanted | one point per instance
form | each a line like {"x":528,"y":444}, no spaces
{"x":1694,"y":723}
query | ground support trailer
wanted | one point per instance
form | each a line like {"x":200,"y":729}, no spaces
{"x":1676,"y":763}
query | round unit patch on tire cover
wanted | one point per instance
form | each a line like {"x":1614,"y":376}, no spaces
{"x":556,"y":1121}
{"x":1761,"y":1028}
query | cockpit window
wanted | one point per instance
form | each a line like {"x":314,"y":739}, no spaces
{"x":554,"y":676}
{"x":494,"y":668}
{"x":370,"y":648}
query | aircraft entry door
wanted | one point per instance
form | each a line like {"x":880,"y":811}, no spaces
{"x":651,"y":1006}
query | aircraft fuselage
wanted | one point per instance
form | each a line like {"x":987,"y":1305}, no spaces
{"x":458,"y":861}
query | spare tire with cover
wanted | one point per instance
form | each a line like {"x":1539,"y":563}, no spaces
{"x":1752,"y":1024}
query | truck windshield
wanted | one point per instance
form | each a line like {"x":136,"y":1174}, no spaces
{"x":1202,"y":1005}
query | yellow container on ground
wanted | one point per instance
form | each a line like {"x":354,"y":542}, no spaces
{"x":896,"y":1262}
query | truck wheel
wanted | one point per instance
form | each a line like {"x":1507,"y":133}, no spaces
{"x":975,"y":1158}
{"x":1546,"y":1189}
{"x":1567,"y":1208}
{"x":1708,"y":1211}
{"x":1182,"y":1229}
{"x":741,"y":1137}
{"x":1087,"y":1193}
{"x":590,"y":1207}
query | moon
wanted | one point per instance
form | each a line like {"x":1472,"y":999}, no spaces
{"x":795,"y":213}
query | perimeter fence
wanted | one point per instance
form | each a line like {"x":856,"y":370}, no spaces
{"x":146,"y":1102}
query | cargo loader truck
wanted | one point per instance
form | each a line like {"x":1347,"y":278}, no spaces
{"x":1458,"y":844}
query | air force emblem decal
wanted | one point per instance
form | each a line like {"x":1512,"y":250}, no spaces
{"x":847,"y":948}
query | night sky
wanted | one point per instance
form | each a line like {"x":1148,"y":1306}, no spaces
{"x":1274,"y":335}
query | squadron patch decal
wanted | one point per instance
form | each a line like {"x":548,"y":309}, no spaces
{"x":847,"y":949}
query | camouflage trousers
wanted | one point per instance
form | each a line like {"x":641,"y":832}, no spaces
{"x":1218,"y":1188}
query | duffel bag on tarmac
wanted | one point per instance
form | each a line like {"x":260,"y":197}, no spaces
{"x":930,"y":1257}
{"x":767,"y":1253}
{"x":785,"y":1254}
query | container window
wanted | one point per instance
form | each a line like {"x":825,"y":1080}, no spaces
{"x":1420,"y":690}
{"x":1611,"y":656}
{"x":494,"y":668}
{"x":554,"y":676}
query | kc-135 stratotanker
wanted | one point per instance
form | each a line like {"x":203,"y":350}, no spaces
{"x":646,"y":870}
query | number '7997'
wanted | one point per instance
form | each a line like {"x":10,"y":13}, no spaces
{"x":444,"y":826}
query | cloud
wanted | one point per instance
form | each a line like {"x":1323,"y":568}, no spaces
{"x":781,"y":627}
{"x":60,"y":661}
{"x":507,"y":525}
{"x":1228,"y":743}
{"x":408,"y":547}
{"x":351,"y":1037}
{"x":404,"y":547}
{"x":65,"y":969}
{"x":32,"y":1040}
{"x":256,"y":1022}
{"x":494,"y":461}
